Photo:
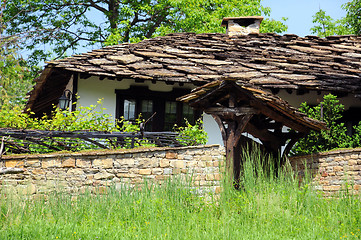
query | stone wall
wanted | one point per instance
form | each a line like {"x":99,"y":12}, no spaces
{"x":332,"y":171}
{"x":73,"y":172}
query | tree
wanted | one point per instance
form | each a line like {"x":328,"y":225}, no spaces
{"x":330,"y":111}
{"x":15,"y":76}
{"x":327,"y":26}
{"x":350,"y":24}
{"x":66,"y":25}
{"x":353,"y":16}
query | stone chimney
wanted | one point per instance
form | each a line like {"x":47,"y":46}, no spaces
{"x":242,"y":25}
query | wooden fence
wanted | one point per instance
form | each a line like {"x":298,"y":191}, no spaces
{"x":35,"y":141}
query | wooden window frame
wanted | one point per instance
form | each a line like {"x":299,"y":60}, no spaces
{"x":158,"y":98}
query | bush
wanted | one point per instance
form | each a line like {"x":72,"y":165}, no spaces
{"x":90,"y":118}
{"x":191,"y":135}
{"x":336,"y":135}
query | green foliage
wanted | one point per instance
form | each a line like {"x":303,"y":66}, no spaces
{"x":327,"y":26}
{"x":15,"y":74}
{"x":90,"y":118}
{"x":191,"y":135}
{"x":353,"y":16}
{"x":205,"y":16}
{"x":335,"y":137}
{"x":67,"y":25}
{"x":350,"y":24}
{"x":85,"y":118}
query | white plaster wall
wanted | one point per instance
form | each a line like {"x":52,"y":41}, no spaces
{"x":212,"y":129}
{"x":313,"y":98}
{"x":92,"y":89}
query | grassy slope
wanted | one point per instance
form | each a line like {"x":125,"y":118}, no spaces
{"x":266,"y":208}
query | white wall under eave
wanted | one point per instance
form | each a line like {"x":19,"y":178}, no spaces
{"x":212,"y":129}
{"x":92,"y":89}
{"x":313,"y":98}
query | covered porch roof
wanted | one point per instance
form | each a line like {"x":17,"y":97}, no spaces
{"x":239,"y":108}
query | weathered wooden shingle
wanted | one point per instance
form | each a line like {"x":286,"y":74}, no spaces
{"x":264,"y":60}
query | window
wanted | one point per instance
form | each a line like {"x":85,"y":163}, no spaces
{"x":170,"y":116}
{"x":167,"y":111}
{"x":129,"y":109}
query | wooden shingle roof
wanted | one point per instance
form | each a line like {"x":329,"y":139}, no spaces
{"x":210,"y":95}
{"x":265,"y":60}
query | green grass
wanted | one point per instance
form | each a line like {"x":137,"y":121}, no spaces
{"x":266,"y":207}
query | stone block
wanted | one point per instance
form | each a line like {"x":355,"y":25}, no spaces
{"x":126,"y":175}
{"x":206,"y":158}
{"x":103,"y":175}
{"x":332,"y":188}
{"x":188,"y":157}
{"x":70,"y":162}
{"x":14,"y":163}
{"x":202,"y":164}
{"x":161,"y":177}
{"x":217,"y":176}
{"x":337,"y":168}
{"x":171,"y":155}
{"x":50,"y":163}
{"x":83,"y":163}
{"x":210,"y":177}
{"x":157,"y":171}
{"x":329,"y":159}
{"x":357,"y":168}
{"x":178,"y":164}
{"x":209,"y":164}
{"x":103,"y":163}
{"x":75,"y":171}
{"x":33,"y":163}
{"x":160,"y":155}
{"x":191,"y":164}
{"x":164,"y":163}
{"x":354,"y":156}
{"x":145,"y":171}
{"x":336,"y":182}
{"x":38,"y":171}
{"x":124,"y":163}
{"x":167,"y":171}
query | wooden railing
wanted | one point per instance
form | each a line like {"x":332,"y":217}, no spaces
{"x":37,"y":141}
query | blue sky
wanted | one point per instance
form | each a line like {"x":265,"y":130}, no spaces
{"x":300,"y":12}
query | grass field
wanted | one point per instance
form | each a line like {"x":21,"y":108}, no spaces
{"x":267,"y":207}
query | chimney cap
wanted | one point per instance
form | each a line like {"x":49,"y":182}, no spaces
{"x":240,"y":19}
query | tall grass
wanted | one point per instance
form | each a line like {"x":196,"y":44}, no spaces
{"x":269,"y":205}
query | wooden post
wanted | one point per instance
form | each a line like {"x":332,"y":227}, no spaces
{"x":231,"y":130}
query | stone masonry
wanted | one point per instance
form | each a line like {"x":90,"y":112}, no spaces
{"x":74,"y":172}
{"x":332,"y":171}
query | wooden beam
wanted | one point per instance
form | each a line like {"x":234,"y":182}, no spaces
{"x":291,"y":143}
{"x":221,"y":127}
{"x":265,"y":110}
{"x":242,"y":123}
{"x":237,"y":111}
{"x":264,"y":134}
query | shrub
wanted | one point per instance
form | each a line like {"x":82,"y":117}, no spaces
{"x":336,"y":135}
{"x":191,"y":135}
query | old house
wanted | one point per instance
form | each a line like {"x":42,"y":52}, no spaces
{"x":147,"y":77}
